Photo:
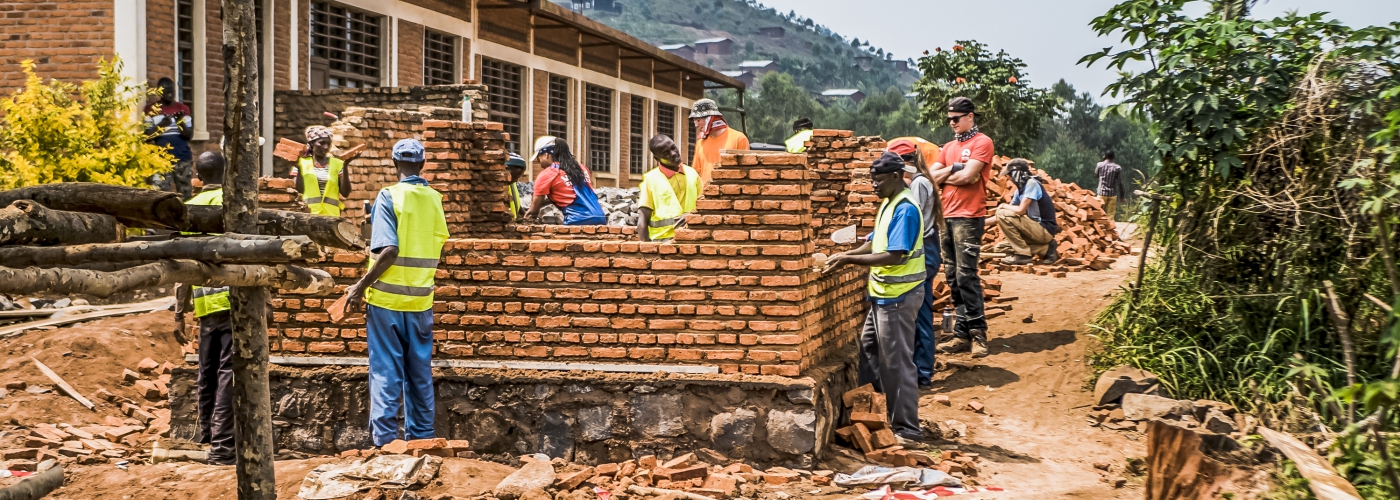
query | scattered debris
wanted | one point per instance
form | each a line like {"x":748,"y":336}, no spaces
{"x":903,"y":476}
{"x":1120,"y":380}
{"x":67,"y":389}
{"x":339,"y":480}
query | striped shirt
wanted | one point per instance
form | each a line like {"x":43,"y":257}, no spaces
{"x":1110,"y":184}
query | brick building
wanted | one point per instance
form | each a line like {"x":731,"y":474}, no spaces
{"x":549,"y":70}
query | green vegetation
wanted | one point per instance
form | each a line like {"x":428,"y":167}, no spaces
{"x":46,"y":135}
{"x":1009,"y":109}
{"x":778,"y":101}
{"x":1073,"y":141}
{"x":1276,"y":142}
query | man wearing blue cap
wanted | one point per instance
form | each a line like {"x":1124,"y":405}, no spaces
{"x":409,"y":229}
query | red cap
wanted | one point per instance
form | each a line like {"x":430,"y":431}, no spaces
{"x":902,"y":147}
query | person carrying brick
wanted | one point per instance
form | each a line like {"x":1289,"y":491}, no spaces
{"x":920,"y":154}
{"x":1029,"y":220}
{"x":515,"y":166}
{"x":668,"y":192}
{"x":409,"y":230}
{"x":323,"y":180}
{"x":802,"y":132}
{"x":173,"y":128}
{"x":712,"y":135}
{"x":565,"y":183}
{"x":211,"y":306}
{"x":894,"y":252}
{"x":963,"y":171}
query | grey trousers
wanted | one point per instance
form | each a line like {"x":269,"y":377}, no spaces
{"x":887,"y":359}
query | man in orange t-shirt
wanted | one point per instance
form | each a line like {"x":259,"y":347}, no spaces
{"x":712,"y":134}
{"x":963,"y":171}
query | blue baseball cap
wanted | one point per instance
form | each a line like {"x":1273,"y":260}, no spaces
{"x":408,"y":150}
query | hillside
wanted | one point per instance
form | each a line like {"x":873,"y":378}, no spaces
{"x":816,"y":57}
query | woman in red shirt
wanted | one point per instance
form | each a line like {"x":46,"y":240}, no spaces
{"x":565,"y":183}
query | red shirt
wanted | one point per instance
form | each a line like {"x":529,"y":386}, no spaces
{"x":970,"y":200}
{"x":554,"y":184}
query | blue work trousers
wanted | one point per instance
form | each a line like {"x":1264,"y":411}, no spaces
{"x":926,"y":337}
{"x":400,"y":357}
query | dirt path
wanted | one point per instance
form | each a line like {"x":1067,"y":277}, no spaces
{"x":1033,"y":438}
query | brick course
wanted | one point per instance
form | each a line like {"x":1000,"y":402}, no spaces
{"x":410,"y":72}
{"x":65,"y":40}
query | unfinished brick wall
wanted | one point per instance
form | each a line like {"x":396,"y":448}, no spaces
{"x":63,"y":39}
{"x":842,"y":193}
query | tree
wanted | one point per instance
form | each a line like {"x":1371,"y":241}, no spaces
{"x":1073,"y":141}
{"x":48,"y":136}
{"x":1009,"y":110}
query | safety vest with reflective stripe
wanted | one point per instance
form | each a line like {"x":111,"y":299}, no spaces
{"x":888,"y":282}
{"x":327,"y":203}
{"x":797,"y":143}
{"x":669,"y":208}
{"x":407,"y":285}
{"x":515,"y":200}
{"x":209,"y":300}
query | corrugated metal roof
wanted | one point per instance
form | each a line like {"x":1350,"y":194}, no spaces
{"x":754,"y":64}
{"x":840,"y":92}
{"x":711,"y":40}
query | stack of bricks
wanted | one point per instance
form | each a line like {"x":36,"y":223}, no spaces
{"x":738,"y":289}
{"x":466,"y":163}
{"x":561,"y":232}
{"x":378,"y":130}
{"x":279,"y":193}
{"x":841,"y":190}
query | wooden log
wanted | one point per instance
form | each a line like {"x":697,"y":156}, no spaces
{"x":26,"y":222}
{"x":322,"y":229}
{"x":165,"y":272}
{"x":135,"y":207}
{"x":218,"y":249}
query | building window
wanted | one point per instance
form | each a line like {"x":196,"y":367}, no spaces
{"x":666,"y":120}
{"x":597,"y":110}
{"x":558,"y":119}
{"x":690,"y":136}
{"x":184,"y":52}
{"x":502,"y":82}
{"x":636,"y":160}
{"x":347,"y":43}
{"x":439,"y":58}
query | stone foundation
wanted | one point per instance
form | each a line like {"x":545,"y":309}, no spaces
{"x":587,"y":417}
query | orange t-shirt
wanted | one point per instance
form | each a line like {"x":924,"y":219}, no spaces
{"x":707,"y":151}
{"x":970,"y":200}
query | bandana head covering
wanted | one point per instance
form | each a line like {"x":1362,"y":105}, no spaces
{"x":315,"y":132}
{"x":1019,"y":170}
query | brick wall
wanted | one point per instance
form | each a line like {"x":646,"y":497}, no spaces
{"x":410,"y":54}
{"x":539,"y":111}
{"x":282,"y":42}
{"x":842,"y":193}
{"x":160,"y":40}
{"x":214,"y":73}
{"x":63,"y":39}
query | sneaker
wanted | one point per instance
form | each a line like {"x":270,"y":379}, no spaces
{"x":1051,"y":254}
{"x":957,"y":345}
{"x":925,"y":384}
{"x":1016,"y":260}
{"x":979,"y":343}
{"x":911,"y":441}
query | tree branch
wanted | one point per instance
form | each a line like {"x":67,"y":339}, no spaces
{"x":220,"y":249}
{"x":165,"y":272}
{"x":28,"y":222}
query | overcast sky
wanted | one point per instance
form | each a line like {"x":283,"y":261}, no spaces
{"x":1049,"y":35}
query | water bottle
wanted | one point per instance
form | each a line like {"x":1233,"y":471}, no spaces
{"x":947,"y":319}
{"x":466,"y":108}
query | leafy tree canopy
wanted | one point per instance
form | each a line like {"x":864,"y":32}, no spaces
{"x":1009,"y":109}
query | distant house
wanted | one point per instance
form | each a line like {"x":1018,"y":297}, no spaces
{"x":901,"y":66}
{"x":772,"y":32}
{"x":855,"y":95}
{"x":714,"y":46}
{"x":680,"y":49}
{"x":912,"y":95}
{"x":864,"y":62}
{"x":758,"y":68}
{"x":743,"y":76}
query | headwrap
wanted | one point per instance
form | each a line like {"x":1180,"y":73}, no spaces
{"x":887,"y":163}
{"x":714,"y":124}
{"x":315,"y":132}
{"x":1019,"y":170}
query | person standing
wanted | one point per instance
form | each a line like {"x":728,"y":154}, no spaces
{"x":963,"y":171}
{"x":668,"y":192}
{"x":894,"y":253}
{"x":1029,"y":220}
{"x":515,"y":166}
{"x":919,"y":153}
{"x":322,"y":179}
{"x":712,"y":135}
{"x":565,"y":183}
{"x":1110,"y":184}
{"x":173,"y":128}
{"x":409,"y":229}
{"x":211,"y":306}
{"x":802,"y":132}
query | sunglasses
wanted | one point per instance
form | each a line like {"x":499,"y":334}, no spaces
{"x":955,"y":119}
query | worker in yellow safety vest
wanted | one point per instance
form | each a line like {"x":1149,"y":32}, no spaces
{"x":668,"y":192}
{"x":802,"y":132}
{"x":894,"y":252}
{"x":515,"y":166}
{"x":409,"y":230}
{"x":211,"y":306}
{"x":323,"y":180}
{"x":712,"y":135}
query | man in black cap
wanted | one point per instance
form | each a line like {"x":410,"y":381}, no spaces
{"x":894,"y":252}
{"x":963,"y":172}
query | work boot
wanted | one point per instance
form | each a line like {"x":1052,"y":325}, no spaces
{"x":1016,"y":260}
{"x":957,"y":345}
{"x":1051,"y":254}
{"x":979,"y":343}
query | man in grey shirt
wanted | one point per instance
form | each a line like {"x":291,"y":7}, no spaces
{"x":926,"y":195}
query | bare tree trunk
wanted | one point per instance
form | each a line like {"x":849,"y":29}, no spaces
{"x":26,"y":222}
{"x":322,"y":229}
{"x":252,"y":407}
{"x":165,"y":272}
{"x":212,"y":249}
{"x":135,"y":207}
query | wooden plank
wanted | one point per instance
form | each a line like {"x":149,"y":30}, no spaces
{"x":57,"y":380}
{"x":1324,"y":480}
{"x":150,"y":305}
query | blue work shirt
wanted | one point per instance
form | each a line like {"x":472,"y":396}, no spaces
{"x":905,"y":231}
{"x":384,"y":223}
{"x":1042,"y":210}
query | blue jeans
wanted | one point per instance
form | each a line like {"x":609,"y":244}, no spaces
{"x":400,"y":357}
{"x":926,"y":337}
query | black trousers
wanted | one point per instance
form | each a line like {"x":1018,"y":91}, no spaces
{"x":962,"y":248}
{"x":216,"y":385}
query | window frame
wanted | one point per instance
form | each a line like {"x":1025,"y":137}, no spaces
{"x":598,"y":103}
{"x":494,"y":73}
{"x":636,"y":128}
{"x":433,"y":75}
{"x":372,"y":59}
{"x":557,"y":106}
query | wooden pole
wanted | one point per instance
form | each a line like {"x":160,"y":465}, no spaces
{"x":252,"y":407}
{"x":1147,"y":242}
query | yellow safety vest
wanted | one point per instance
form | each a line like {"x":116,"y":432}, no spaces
{"x":407,"y":285}
{"x":319,"y":203}
{"x":515,"y":200}
{"x":209,"y":300}
{"x":797,"y":143}
{"x":669,"y":207}
{"x":888,"y":282}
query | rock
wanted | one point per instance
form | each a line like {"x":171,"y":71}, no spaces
{"x":955,"y":429}
{"x":129,"y":376}
{"x":147,"y":366}
{"x":1148,"y":407}
{"x":537,"y":474}
{"x":1217,"y":422}
{"x":732,"y":430}
{"x":1120,"y":380}
{"x":596,"y":423}
{"x":148,"y":390}
{"x":711,"y":456}
{"x":556,"y":436}
{"x":659,"y":415}
{"x":792,"y":432}
{"x":943,"y":400}
{"x":395,"y":447}
{"x":16,"y":385}
{"x":1204,"y":406}
{"x":801,"y":395}
{"x":535,"y":494}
